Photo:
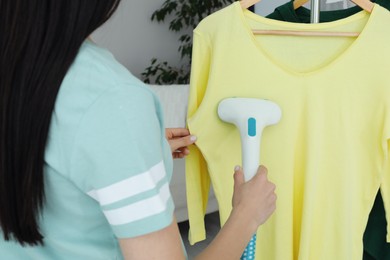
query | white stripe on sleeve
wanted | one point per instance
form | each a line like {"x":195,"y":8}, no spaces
{"x":129,"y":187}
{"x":141,"y":209}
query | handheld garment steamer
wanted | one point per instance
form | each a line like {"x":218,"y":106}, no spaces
{"x":250,"y":116}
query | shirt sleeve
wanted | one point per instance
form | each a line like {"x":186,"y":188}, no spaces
{"x":197,"y":176}
{"x":121,"y":159}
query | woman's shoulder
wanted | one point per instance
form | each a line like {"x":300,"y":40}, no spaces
{"x":98,"y":66}
{"x":96,"y":72}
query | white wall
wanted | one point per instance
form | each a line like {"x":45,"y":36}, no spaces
{"x":134,"y":39}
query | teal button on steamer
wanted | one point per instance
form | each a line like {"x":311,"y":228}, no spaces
{"x":250,"y":116}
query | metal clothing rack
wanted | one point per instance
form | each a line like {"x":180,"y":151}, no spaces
{"x":314,"y":11}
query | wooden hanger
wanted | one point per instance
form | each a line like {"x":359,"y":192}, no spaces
{"x":305,"y":33}
{"x":248,"y":3}
{"x":299,"y":3}
{"x":364,"y":4}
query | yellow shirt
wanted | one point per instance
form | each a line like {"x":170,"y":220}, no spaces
{"x":328,"y":156}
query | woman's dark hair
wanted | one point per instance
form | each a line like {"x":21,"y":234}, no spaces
{"x":39,"y":40}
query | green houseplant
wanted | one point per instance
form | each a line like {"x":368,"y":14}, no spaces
{"x":186,"y":16}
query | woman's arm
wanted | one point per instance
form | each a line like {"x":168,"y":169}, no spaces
{"x":161,"y":245}
{"x":253,"y":203}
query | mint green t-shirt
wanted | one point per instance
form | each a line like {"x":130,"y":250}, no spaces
{"x":107,"y":164}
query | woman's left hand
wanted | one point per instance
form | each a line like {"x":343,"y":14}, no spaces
{"x":179,"y":139}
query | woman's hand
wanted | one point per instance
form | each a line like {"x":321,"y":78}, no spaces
{"x":255,"y":198}
{"x":179,"y":139}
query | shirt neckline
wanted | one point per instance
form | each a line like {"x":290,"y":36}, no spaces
{"x":243,"y":14}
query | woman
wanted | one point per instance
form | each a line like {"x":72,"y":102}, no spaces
{"x":84,"y":160}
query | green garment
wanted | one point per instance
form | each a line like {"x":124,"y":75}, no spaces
{"x":375,"y":246}
{"x":287,"y":13}
{"x":374,"y":240}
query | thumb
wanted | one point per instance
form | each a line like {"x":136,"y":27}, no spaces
{"x":238,"y":177}
{"x":182,"y":142}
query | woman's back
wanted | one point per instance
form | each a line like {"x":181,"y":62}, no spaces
{"x":90,"y":152}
